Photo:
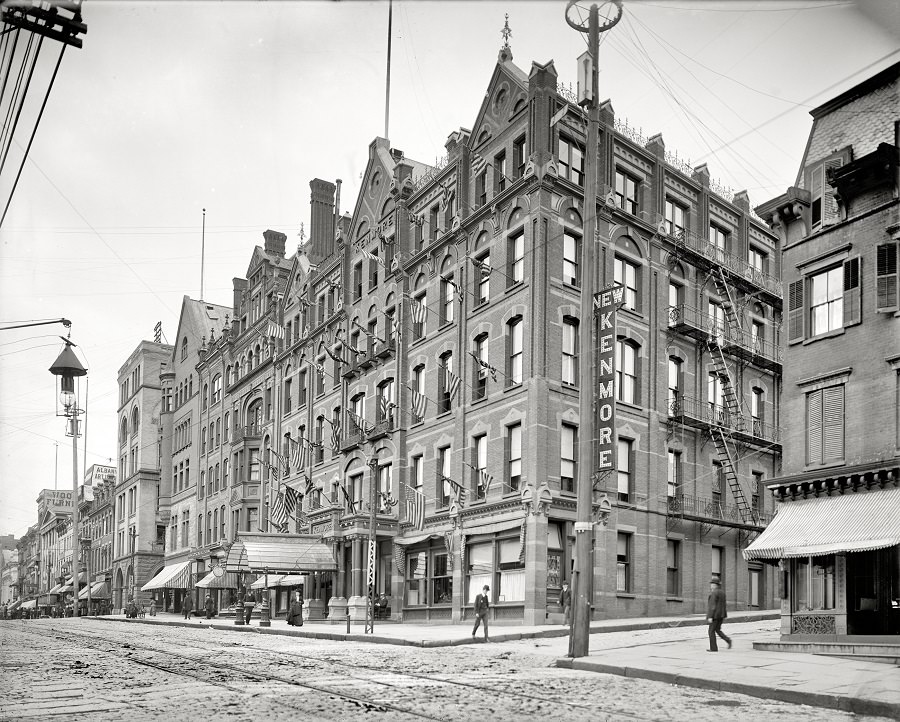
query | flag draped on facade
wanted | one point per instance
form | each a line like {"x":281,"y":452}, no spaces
{"x":418,"y":311}
{"x":360,"y":423}
{"x":459,"y":489}
{"x":290,"y":501}
{"x":278,"y":516}
{"x":419,"y":403}
{"x":415,"y":507}
{"x":298,"y":453}
{"x":478,"y":163}
{"x":485,"y":366}
{"x":274,"y":330}
{"x":451,"y":382}
{"x":522,"y":537}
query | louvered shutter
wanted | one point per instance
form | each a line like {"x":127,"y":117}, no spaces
{"x":814,"y":427}
{"x":830,"y":212}
{"x":795,"y":311}
{"x":852,"y":295}
{"x":833,"y":423}
{"x":886,"y":276}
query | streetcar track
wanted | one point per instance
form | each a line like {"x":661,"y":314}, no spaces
{"x":344,"y":665}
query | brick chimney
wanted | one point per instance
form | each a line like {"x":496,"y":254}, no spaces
{"x":321,"y":220}
{"x":274,"y":243}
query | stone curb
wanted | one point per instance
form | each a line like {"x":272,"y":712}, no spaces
{"x":855,"y":705}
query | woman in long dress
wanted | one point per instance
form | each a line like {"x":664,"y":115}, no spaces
{"x":295,"y":614}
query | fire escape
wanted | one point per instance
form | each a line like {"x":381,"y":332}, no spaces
{"x":722,"y":418}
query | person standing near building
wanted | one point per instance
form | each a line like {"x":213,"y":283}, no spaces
{"x":152,"y":607}
{"x":565,"y":601}
{"x":482,"y":605}
{"x":715,"y":614}
{"x":187,"y":606}
{"x":295,"y":613}
{"x":210,"y":606}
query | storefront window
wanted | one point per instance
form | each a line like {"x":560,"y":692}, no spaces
{"x":429,"y":579}
{"x":441,"y":582}
{"x":480,"y":563}
{"x":512,"y":572}
{"x":814,"y":583}
{"x":417,"y":566}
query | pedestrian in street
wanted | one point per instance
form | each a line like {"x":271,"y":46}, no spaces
{"x":248,"y":609}
{"x":295,"y":614}
{"x":715,"y":614}
{"x":210,"y":606}
{"x":152,"y":607}
{"x":482,"y":605}
{"x":187,"y":606}
{"x":565,"y":601}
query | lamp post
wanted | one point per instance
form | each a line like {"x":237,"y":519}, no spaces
{"x":132,"y":535}
{"x":264,"y":620}
{"x":388,"y":502}
{"x":68,"y":367}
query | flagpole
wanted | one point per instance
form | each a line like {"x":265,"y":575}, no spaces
{"x":202,"y":253}
{"x":387,"y":89}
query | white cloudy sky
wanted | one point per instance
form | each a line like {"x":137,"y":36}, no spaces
{"x":234,"y":107}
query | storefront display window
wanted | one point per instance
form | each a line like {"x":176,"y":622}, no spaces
{"x":429,"y":579}
{"x":814,"y":583}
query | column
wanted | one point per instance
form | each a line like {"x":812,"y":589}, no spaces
{"x":536,"y":568}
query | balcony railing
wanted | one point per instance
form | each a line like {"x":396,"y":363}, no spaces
{"x":703,"y":326}
{"x":705,"y":508}
{"x":739,"y":268}
{"x":698,"y":413}
{"x":251,"y":431}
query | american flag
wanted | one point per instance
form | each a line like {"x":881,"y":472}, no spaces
{"x":298,"y":454}
{"x":478,"y":163}
{"x":275,"y":331}
{"x":419,"y":404}
{"x":485,"y":480}
{"x":332,"y":356}
{"x":371,"y":256}
{"x":485,"y":366}
{"x":483,"y":268}
{"x":290,"y":501}
{"x":360,"y":423}
{"x":418,"y":311}
{"x":348,"y":499}
{"x":278,"y":516}
{"x":386,"y":407}
{"x":335,"y":434}
{"x":415,"y":507}
{"x":459,"y":489}
{"x":522,"y":540}
{"x":451,"y":382}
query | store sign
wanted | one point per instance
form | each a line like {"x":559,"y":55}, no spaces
{"x":102,"y":474}
{"x":606,"y":303}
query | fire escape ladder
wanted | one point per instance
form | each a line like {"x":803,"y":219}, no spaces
{"x":724,"y":290}
{"x":720,"y":439}
{"x":732,"y":407}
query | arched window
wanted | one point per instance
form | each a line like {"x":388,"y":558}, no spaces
{"x":320,"y":439}
{"x":204,"y":399}
{"x":135,"y":422}
{"x":514,"y":350}
{"x":386,"y":404}
{"x":249,"y":366}
{"x":448,"y":382}
{"x":448,"y":291}
{"x":570,"y":351}
{"x":184,"y":348}
{"x":480,"y":369}
{"x":217,"y":389}
{"x":226,"y":426}
{"x":228,"y":376}
{"x":123,"y":432}
{"x":255,"y":417}
{"x":627,"y":354}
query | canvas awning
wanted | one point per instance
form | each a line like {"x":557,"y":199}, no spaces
{"x":174,"y":576}
{"x":68,"y":586}
{"x":494,"y":527}
{"x":57,"y":589}
{"x":29,"y":604}
{"x":285,"y":553}
{"x":14,"y":605}
{"x":405,"y":541}
{"x":278,"y":580}
{"x":228,"y":580}
{"x":99,"y":590}
{"x":850,"y":522}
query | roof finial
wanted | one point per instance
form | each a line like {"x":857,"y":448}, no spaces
{"x":506,"y":51}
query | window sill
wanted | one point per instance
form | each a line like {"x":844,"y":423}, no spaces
{"x":514,"y":387}
{"x":822,"y":336}
{"x":514,"y":287}
{"x":479,"y":400}
{"x":629,"y":405}
{"x":571,"y":286}
{"x":674,"y":599}
{"x":626,"y":595}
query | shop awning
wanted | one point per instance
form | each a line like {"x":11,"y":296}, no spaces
{"x":15,"y":605}
{"x":405,"y":541}
{"x":99,"y":590}
{"x":228,"y":580}
{"x":57,"y":589}
{"x":285,"y":553}
{"x":68,"y":586}
{"x":278,"y":580}
{"x":493,"y":527}
{"x":174,"y":576}
{"x":850,"y":522}
{"x":30,"y":604}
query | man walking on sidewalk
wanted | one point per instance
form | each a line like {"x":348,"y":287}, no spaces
{"x":715,"y":614}
{"x":482,"y":605}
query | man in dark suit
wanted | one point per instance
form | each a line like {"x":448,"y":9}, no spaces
{"x":565,"y":601}
{"x":715,"y":614}
{"x":482,"y":605}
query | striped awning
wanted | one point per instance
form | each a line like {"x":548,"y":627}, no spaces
{"x":174,"y":576}
{"x":29,"y":604}
{"x":99,"y":590}
{"x":57,"y":589}
{"x":228,"y":580}
{"x":278,"y":580}
{"x":284,"y":553}
{"x":67,"y":587}
{"x":849,"y":522}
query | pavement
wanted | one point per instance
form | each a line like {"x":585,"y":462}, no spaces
{"x":665,"y":649}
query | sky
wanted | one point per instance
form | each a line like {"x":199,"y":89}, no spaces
{"x":173,"y":107}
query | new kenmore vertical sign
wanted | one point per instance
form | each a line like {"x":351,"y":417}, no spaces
{"x":606,"y":303}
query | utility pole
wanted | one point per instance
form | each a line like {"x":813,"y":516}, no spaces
{"x":584,"y":527}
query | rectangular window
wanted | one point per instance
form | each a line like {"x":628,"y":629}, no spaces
{"x":675,"y":217}
{"x":519,"y":157}
{"x":515,"y":345}
{"x":623,"y":469}
{"x":513,"y":457}
{"x":626,"y":372}
{"x":357,"y":280}
{"x":419,"y":234}
{"x":417,"y":472}
{"x":570,"y":352}
{"x":674,"y":381}
{"x":448,"y":296}
{"x":419,"y":328}
{"x":718,"y":563}
{"x":623,"y":562}
{"x":320,"y":376}
{"x":479,"y":372}
{"x":444,"y":487}
{"x":825,"y":425}
{"x":373,"y":270}
{"x":886,"y":277}
{"x":433,"y":215}
{"x":419,"y":386}
{"x":626,"y":193}
{"x":515,"y":254}
{"x":626,"y":274}
{"x":499,"y":173}
{"x":673,"y":474}
{"x":446,"y":382}
{"x":571,"y":160}
{"x":481,"y":189}
{"x":759,"y":260}
{"x":756,"y":492}
{"x":826,"y":307}
{"x":571,"y":257}
{"x":568,"y":469}
{"x":287,"y":396}
{"x":718,"y":239}
{"x":673,"y":568}
{"x":301,"y":382}
{"x":479,"y":458}
{"x":483,"y":279}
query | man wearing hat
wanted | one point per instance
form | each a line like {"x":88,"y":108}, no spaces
{"x":482,"y":605}
{"x":715,"y":614}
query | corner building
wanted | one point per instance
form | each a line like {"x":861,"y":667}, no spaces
{"x":431,"y":348}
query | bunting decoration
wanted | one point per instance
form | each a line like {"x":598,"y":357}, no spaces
{"x":420,"y":571}
{"x":371,"y":256}
{"x":415,"y":507}
{"x":522,"y":537}
{"x":483,"y":268}
{"x":419,"y":404}
{"x":275,"y":331}
{"x":400,"y":558}
{"x":451,"y":382}
{"x":485,"y":366}
{"x":448,"y":540}
{"x":386,"y":407}
{"x":331,"y":355}
{"x":458,"y":488}
{"x":348,"y":499}
{"x":361,"y":423}
{"x":418,"y":311}
{"x":354,"y":351}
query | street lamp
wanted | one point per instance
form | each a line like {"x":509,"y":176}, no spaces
{"x":68,"y":367}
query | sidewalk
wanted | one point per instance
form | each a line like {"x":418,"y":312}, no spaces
{"x":665,"y":649}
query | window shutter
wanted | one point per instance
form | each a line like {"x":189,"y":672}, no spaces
{"x":830,"y":212}
{"x":852,"y":296}
{"x":833,"y":423}
{"x":886,"y":276}
{"x":795,"y":311}
{"x":814,"y":427}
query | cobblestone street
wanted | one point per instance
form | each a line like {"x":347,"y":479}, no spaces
{"x":114,"y":670}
